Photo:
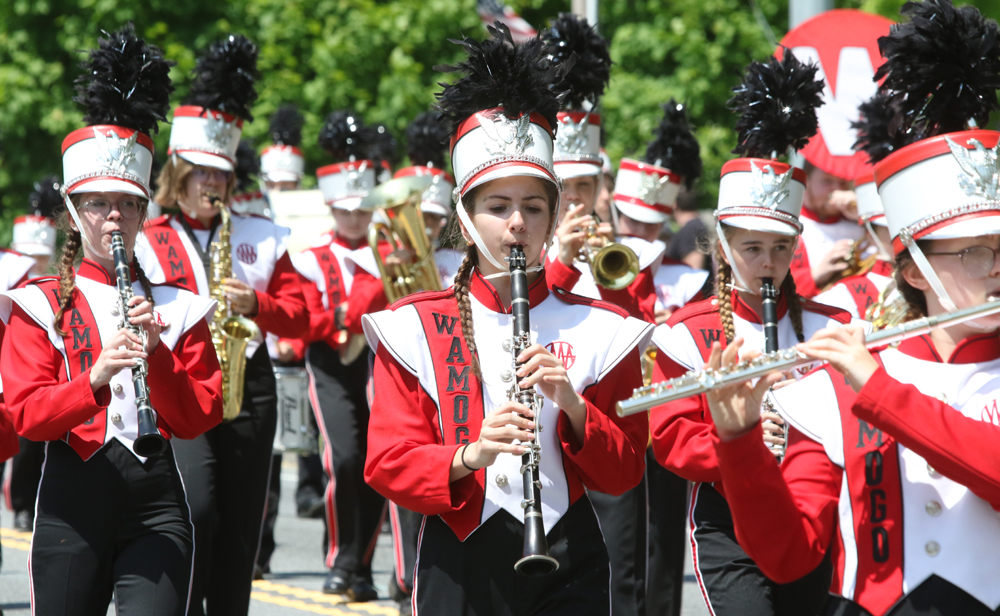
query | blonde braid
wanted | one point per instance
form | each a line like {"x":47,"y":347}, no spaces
{"x":794,"y":303}
{"x":723,"y":274}
{"x":67,"y":275}
{"x":462,"y":280}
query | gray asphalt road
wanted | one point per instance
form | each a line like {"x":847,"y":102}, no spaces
{"x":293,"y":587}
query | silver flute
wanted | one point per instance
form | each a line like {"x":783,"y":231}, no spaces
{"x":702,"y":381}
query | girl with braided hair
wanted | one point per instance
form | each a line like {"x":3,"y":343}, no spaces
{"x":444,"y":440}
{"x":109,"y":521}
{"x":757,"y":227}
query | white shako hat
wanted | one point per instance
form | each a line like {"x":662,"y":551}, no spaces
{"x":114,"y":153}
{"x":647,"y":191}
{"x":501,"y":114}
{"x":283,"y":160}
{"x":777,"y":101}
{"x":939,"y":79}
{"x":206,"y":129}
{"x":870,"y":208}
{"x":35,"y":233}
{"x":426,"y":145}
{"x":344,"y":184}
{"x":570,"y":39}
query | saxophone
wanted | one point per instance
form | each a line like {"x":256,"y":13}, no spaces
{"x":230,"y":333}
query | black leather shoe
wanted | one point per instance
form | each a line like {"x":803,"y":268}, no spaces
{"x":337,"y":583}
{"x":310,"y":508}
{"x":361,"y":591}
{"x":23,"y":520}
{"x":405,"y":608}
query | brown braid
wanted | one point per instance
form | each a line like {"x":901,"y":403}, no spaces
{"x":462,"y":279}
{"x":724,"y":295}
{"x":794,"y":303}
{"x":67,"y":274}
{"x":147,"y":288}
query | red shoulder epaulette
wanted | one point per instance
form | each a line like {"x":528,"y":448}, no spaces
{"x":572,"y":298}
{"x":838,"y":314}
{"x":159,"y":221}
{"x":422,"y":296}
{"x":693,"y":309}
{"x":38,"y":280}
{"x":11,"y":251}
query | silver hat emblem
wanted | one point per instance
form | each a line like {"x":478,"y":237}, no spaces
{"x":980,"y":166}
{"x":114,"y":153}
{"x":354,"y":178}
{"x":435,"y":192}
{"x":509,"y":137}
{"x":218,"y":131}
{"x":650,"y":185}
{"x":769,"y":189}
{"x":572,"y":136}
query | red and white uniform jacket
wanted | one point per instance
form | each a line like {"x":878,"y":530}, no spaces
{"x":902,"y":479}
{"x":427,"y":403}
{"x":817,"y":239}
{"x":684,"y":436}
{"x":260,"y":259}
{"x":47,"y":375}
{"x":677,"y":284}
{"x":639,"y":298}
{"x":857,"y":293}
{"x":334,"y":273}
{"x":14,"y":270}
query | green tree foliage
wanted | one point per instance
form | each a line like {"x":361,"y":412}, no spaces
{"x":378,"y":57}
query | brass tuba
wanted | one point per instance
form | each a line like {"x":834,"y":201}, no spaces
{"x":857,"y":263}
{"x":614,"y":266}
{"x":230,"y":333}
{"x":399,"y":202}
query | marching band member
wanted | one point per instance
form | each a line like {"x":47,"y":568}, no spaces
{"x":440,"y":440}
{"x":108,"y":519}
{"x":858,"y":294}
{"x":282,"y":164}
{"x":570,"y":39}
{"x":893,"y":464}
{"x":342,"y":285}
{"x":225,"y":470}
{"x":757,"y":225}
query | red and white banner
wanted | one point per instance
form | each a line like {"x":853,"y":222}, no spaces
{"x":843,"y":43}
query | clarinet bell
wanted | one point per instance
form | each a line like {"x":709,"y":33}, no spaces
{"x":150,"y":442}
{"x":536,"y":561}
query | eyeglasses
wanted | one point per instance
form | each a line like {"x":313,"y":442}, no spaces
{"x":210,"y":173}
{"x":978,"y":261}
{"x":130,"y":209}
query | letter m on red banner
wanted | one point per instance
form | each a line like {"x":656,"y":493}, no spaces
{"x":843,"y":43}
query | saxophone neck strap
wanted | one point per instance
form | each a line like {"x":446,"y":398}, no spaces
{"x":206,"y":259}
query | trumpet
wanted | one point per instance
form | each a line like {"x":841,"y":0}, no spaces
{"x":614,"y":266}
{"x":701,"y":381}
{"x":856,"y":262}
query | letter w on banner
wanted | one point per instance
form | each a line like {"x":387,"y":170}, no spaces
{"x":843,"y":43}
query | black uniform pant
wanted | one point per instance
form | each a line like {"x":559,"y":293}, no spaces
{"x":26,"y":472}
{"x":226,"y":472}
{"x":668,"y":500}
{"x":731,"y":582}
{"x":405,"y":537}
{"x":476,"y":577}
{"x":623,"y":523}
{"x":935,"y":596}
{"x":110,"y":525}
{"x":354,"y":511}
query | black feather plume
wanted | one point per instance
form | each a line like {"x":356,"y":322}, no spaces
{"x":943,"y":67}
{"x":224,"y":77}
{"x":675,"y":146}
{"x":343,"y":136}
{"x":498,"y":73}
{"x":427,"y":140}
{"x":778,"y":101}
{"x":286,"y":126}
{"x":46,"y":198}
{"x":126,"y":83}
{"x":247,"y":166}
{"x":571,"y":39}
{"x":382,"y":145}
{"x":878,"y":134}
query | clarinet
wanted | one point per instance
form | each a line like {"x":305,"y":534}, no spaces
{"x":770,"y":309}
{"x":149,"y":441}
{"x":535,"y":560}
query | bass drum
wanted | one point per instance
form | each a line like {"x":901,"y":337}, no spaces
{"x":294,"y":434}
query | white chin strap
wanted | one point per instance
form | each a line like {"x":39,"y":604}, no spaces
{"x":929,"y":273}
{"x":741,"y":284}
{"x":79,"y":226}
{"x":883,"y":254}
{"x":504,"y":270}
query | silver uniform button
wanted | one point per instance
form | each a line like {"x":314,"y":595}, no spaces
{"x":932,"y":472}
{"x":506,"y":345}
{"x":942,"y":397}
{"x":116,"y":418}
{"x":506,"y":376}
{"x":501,"y":481}
{"x":114,"y":310}
{"x":118,"y":389}
{"x":933,"y":508}
{"x":933,"y":548}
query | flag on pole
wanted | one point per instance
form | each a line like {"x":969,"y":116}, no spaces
{"x":496,"y":10}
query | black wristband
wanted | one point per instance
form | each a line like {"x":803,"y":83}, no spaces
{"x":463,"y":459}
